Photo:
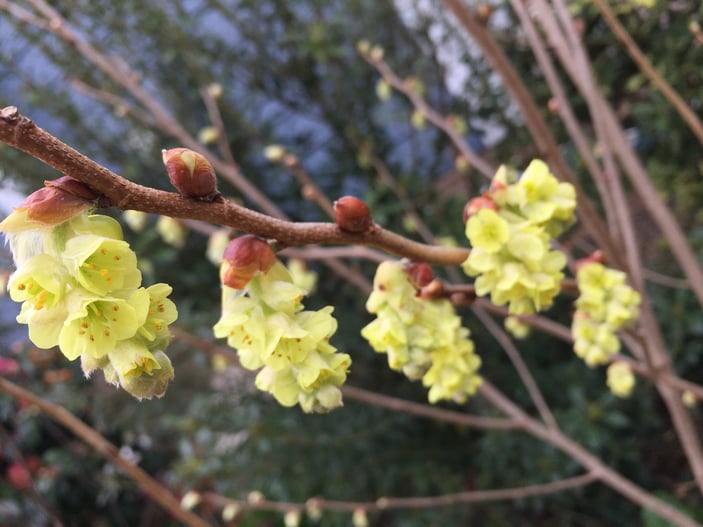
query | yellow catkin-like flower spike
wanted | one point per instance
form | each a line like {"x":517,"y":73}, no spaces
{"x":422,"y":338}
{"x":510,"y":230}
{"x":621,"y":380}
{"x":79,"y":286}
{"x":605,"y":304}
{"x":265,"y":321}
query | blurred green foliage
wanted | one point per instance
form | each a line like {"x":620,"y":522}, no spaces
{"x":290,"y":75}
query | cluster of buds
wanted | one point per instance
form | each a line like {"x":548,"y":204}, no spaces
{"x":264,"y":319}
{"x":423,"y":337}
{"x":605,"y":304}
{"x":510,"y":228}
{"x":80,"y":289}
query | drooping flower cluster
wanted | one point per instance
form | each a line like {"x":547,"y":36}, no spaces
{"x":510,"y":229}
{"x":264,"y":319}
{"x":605,"y":304}
{"x":423,"y":338}
{"x":620,"y":379}
{"x":80,"y":289}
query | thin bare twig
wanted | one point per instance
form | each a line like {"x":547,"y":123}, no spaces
{"x":430,"y":412}
{"x":483,"y":167}
{"x":519,"y":364}
{"x":90,"y":436}
{"x":420,"y":502}
{"x":671,"y":95}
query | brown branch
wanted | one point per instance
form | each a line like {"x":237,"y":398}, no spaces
{"x":605,"y":474}
{"x":694,"y":123}
{"x":421,"y":502}
{"x":21,"y":133}
{"x":483,"y":167}
{"x":544,"y":140}
{"x":430,"y":412}
{"x":90,"y":436}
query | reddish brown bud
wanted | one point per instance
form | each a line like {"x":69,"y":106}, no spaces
{"x":73,"y":187}
{"x":352,"y":214}
{"x":420,"y":274}
{"x":462,"y":299}
{"x":243,"y":258}
{"x":190,"y":173}
{"x":553,"y":105}
{"x":483,"y":12}
{"x":476,"y":204}
{"x":595,"y":257}
{"x":48,"y":206}
{"x":435,"y":289}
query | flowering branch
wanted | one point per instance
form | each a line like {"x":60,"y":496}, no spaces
{"x":21,"y":133}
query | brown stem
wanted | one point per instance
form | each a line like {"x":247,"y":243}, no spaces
{"x":605,"y":474}
{"x":420,"y":502}
{"x":425,"y":410}
{"x":646,"y":67}
{"x":90,"y":436}
{"x":20,"y":132}
{"x":545,"y":141}
{"x":519,"y":364}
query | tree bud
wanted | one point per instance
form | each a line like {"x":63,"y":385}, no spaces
{"x":596,"y":256}
{"x":484,"y":12}
{"x":243,"y":258}
{"x":476,"y":204}
{"x":352,"y":215}
{"x":58,"y":201}
{"x":420,"y":274}
{"x":433,"y":290}
{"x":190,"y":173}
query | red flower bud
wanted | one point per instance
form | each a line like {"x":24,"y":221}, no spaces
{"x":190,"y":173}
{"x":420,"y":274}
{"x":352,"y":215}
{"x":476,"y":204}
{"x":243,"y":258}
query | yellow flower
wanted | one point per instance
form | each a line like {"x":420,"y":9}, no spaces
{"x":621,"y":381}
{"x":487,"y":230}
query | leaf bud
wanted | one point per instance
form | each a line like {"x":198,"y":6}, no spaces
{"x":230,"y":512}
{"x":191,"y":174}
{"x":275,"y":153}
{"x":376,"y":53}
{"x":359,"y":518}
{"x":190,"y":499}
{"x":291,"y":518}
{"x":243,"y":258}
{"x":208,"y":135}
{"x":352,"y":215}
{"x":363,"y":46}
{"x":313,"y":509}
